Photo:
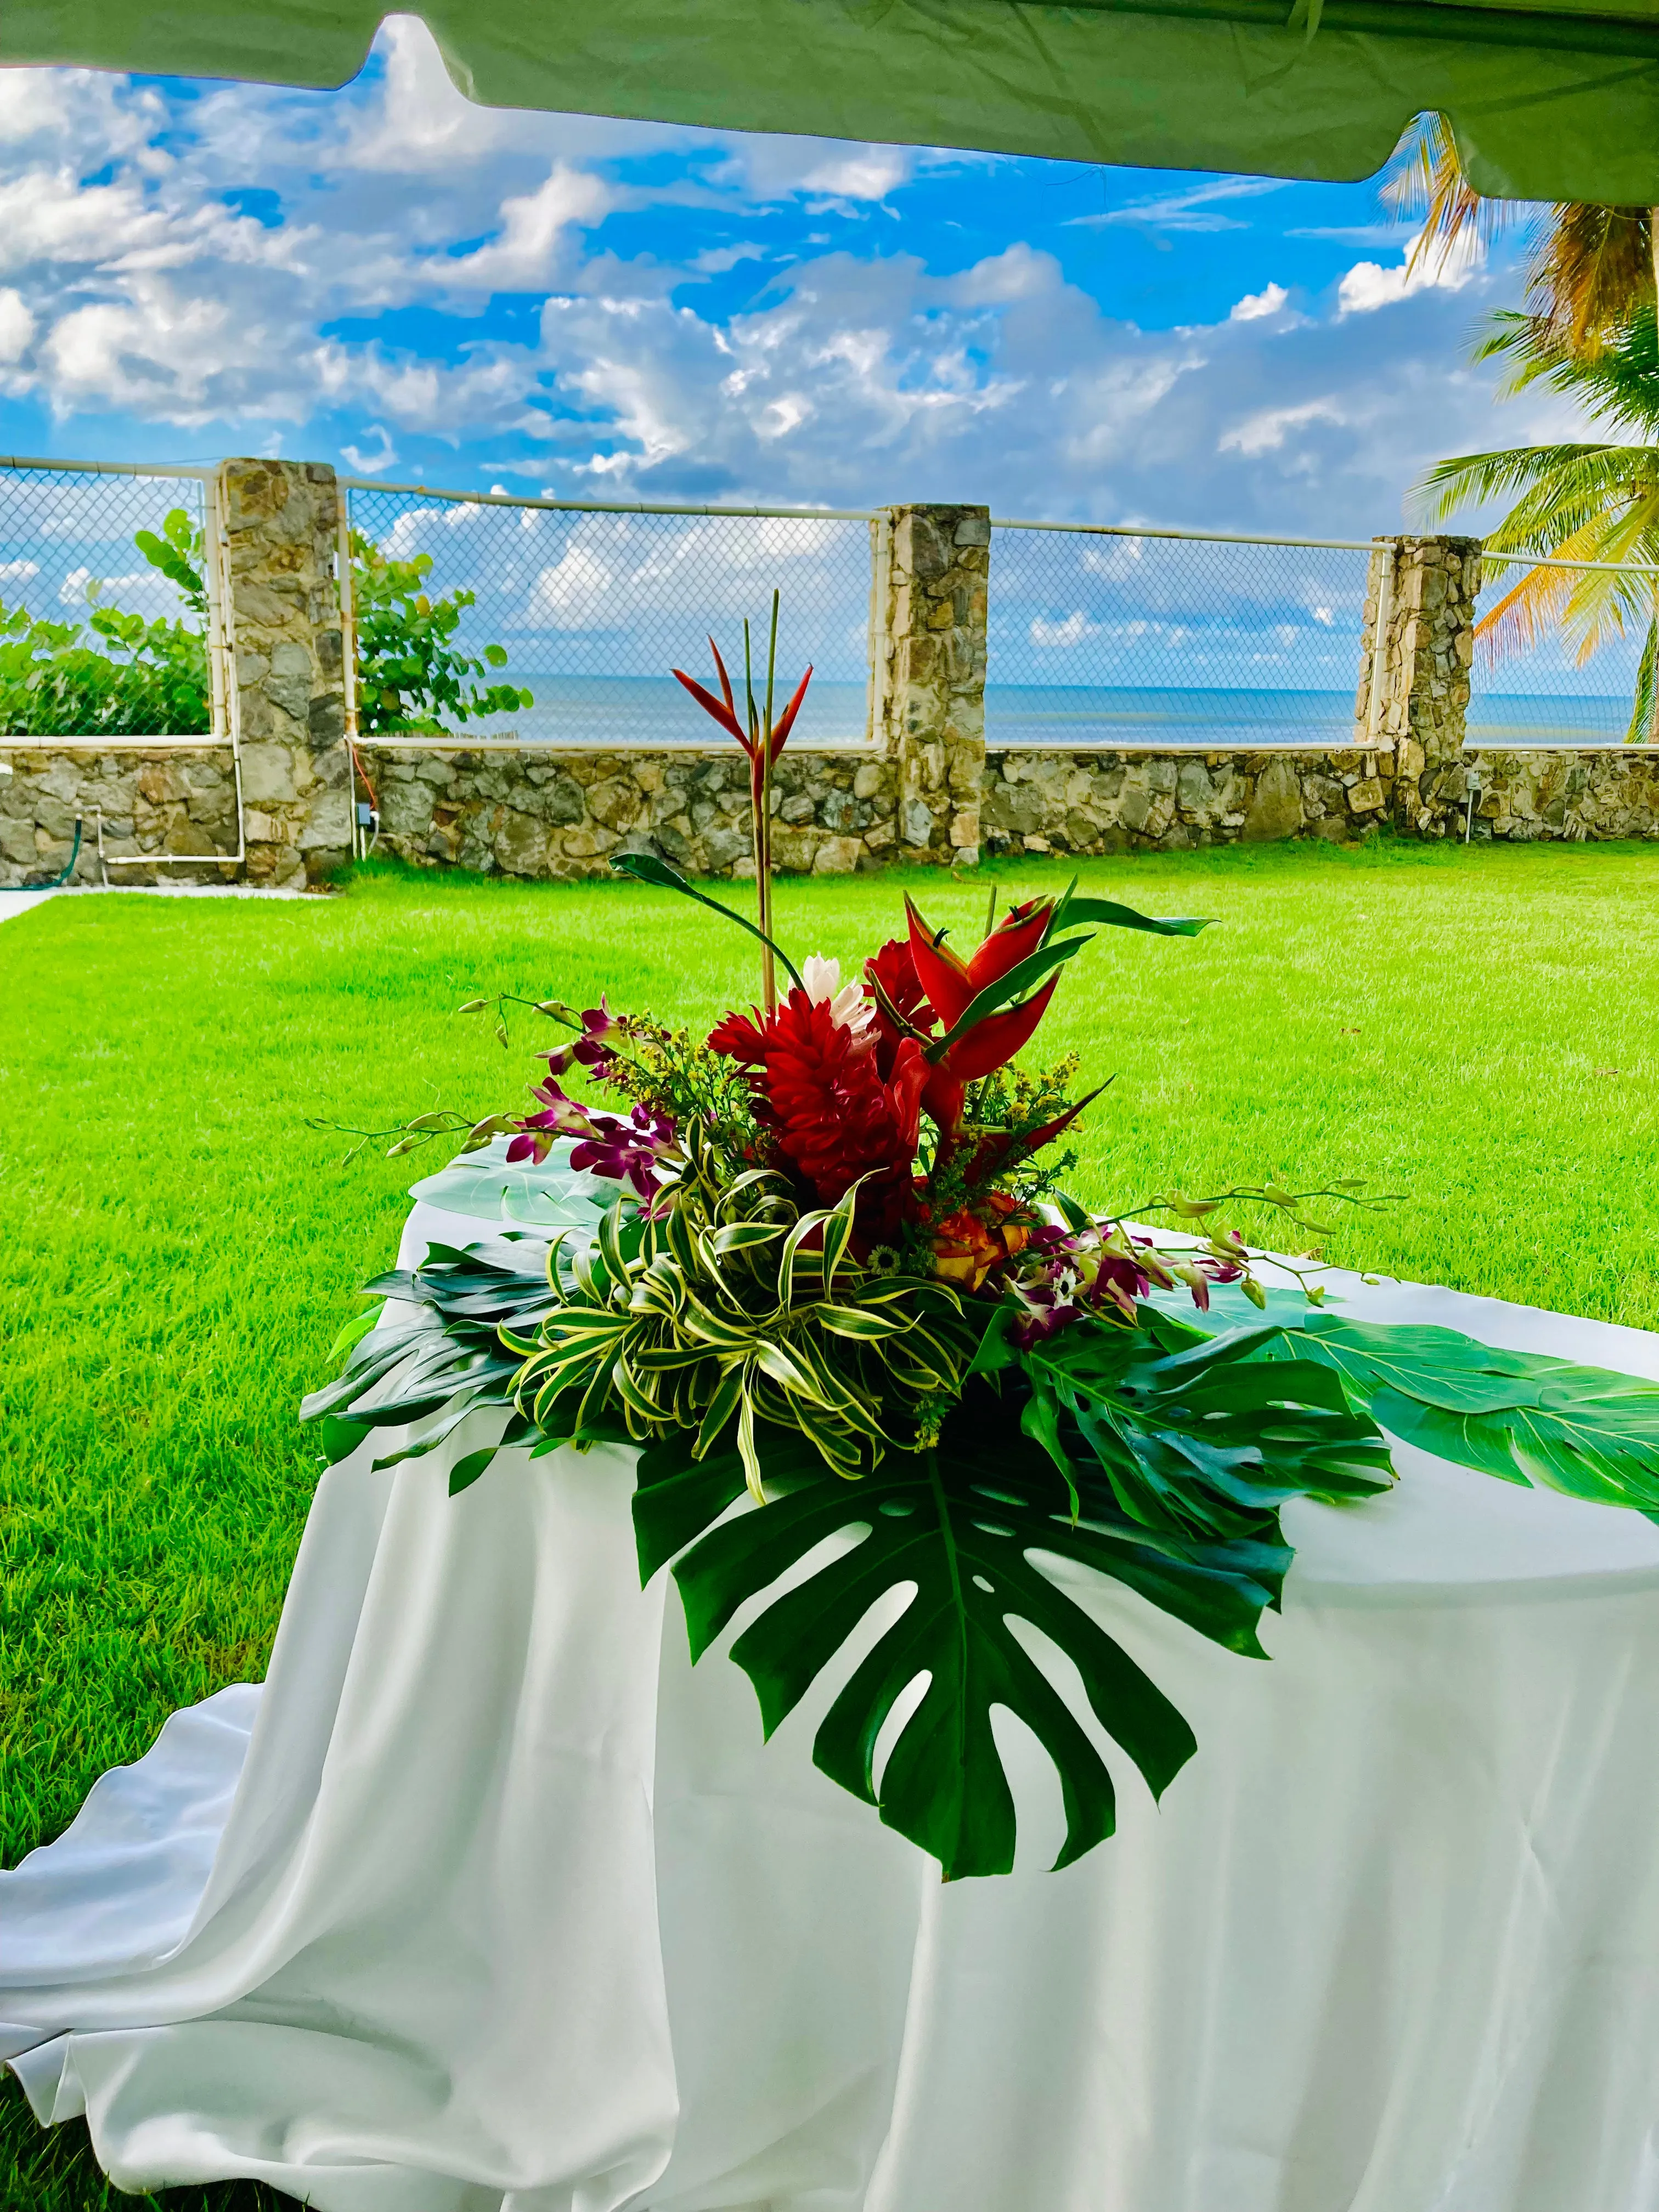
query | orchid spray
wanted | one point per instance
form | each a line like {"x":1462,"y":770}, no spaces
{"x":763,"y":740}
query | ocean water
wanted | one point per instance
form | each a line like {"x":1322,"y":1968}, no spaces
{"x":626,"y":711}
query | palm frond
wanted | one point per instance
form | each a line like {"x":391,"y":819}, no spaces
{"x":1619,"y":385}
{"x":1586,"y":608}
{"x":1590,"y":269}
{"x":1425,"y":178}
{"x":1644,"y":709}
{"x":1561,"y":486}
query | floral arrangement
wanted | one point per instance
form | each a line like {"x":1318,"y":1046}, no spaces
{"x":840,"y":1285}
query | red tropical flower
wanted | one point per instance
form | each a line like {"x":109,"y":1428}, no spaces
{"x":911,"y":982}
{"x":819,"y":1088}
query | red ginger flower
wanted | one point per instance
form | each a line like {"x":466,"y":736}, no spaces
{"x":819,"y":1087}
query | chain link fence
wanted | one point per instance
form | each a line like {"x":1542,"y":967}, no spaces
{"x":1559,"y":652}
{"x":592,"y":606}
{"x":99,"y":638}
{"x":1111,"y":637}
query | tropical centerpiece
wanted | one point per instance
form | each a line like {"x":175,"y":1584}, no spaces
{"x":840,"y":1291}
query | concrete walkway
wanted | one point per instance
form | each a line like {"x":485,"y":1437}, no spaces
{"x":13,"y":903}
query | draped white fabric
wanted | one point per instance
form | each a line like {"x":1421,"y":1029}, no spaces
{"x":488,"y":1902}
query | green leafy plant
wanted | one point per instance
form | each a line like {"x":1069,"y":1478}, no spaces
{"x":411,"y":675}
{"x":179,"y":554}
{"x":143,"y":678}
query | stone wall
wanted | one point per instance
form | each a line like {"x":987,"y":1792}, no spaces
{"x":547,"y":812}
{"x":1525,"y":796}
{"x":153,"y":798}
{"x":924,"y":791}
{"x":1100,"y":801}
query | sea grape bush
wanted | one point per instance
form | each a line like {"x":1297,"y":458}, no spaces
{"x":139,"y":678}
{"x":411,"y":675}
{"x":121,"y":674}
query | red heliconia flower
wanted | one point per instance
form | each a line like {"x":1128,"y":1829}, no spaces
{"x":906,"y":978}
{"x":952,"y":983}
{"x":819,"y":1088}
{"x":762,"y":746}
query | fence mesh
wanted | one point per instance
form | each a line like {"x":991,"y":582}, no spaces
{"x":593,"y":608}
{"x":1105,"y":639}
{"x":95,"y":639}
{"x":1533,"y":682}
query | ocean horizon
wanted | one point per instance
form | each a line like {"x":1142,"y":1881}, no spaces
{"x":637,"y":711}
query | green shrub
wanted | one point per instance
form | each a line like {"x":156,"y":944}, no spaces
{"x":149,"y":678}
{"x":410,"y":674}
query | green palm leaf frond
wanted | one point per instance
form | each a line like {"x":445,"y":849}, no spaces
{"x":1424,"y":181}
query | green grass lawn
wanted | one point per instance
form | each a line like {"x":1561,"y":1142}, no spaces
{"x":1474,"y":1030}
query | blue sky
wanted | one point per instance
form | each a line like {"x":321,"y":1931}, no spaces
{"x":390,"y":279}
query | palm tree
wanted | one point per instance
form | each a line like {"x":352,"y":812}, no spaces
{"x":1592,"y":502}
{"x":1588,"y":267}
{"x":1589,"y":332}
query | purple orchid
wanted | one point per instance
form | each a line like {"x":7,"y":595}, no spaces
{"x":592,"y":1048}
{"x":1067,"y":1273}
{"x":607,"y":1144}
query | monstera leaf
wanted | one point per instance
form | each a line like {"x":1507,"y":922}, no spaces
{"x":1193,"y":1436}
{"x":968,"y":1524}
{"x":1521,"y":1416}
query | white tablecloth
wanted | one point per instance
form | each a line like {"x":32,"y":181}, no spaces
{"x":488,"y":1902}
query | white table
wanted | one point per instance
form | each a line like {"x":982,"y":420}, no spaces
{"x":488,"y":1902}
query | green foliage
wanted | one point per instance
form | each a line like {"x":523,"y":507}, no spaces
{"x":964,"y":1522}
{"x":411,"y":675}
{"x":178,"y":554}
{"x":1522,"y":1416}
{"x":1588,"y":500}
{"x":143,"y":679}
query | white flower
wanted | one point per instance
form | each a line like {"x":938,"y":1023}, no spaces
{"x":848,"y":1007}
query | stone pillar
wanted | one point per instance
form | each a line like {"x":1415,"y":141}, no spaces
{"x":281,"y":524}
{"x":1419,"y":618}
{"x":930,"y":678}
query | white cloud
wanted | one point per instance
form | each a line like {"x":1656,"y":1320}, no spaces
{"x":1193,"y":210}
{"x":372,"y":464}
{"x":1266,"y":431}
{"x":869,"y":173}
{"x":527,"y":254}
{"x":1255,"y":307}
{"x":1063,"y":634}
{"x":16,"y":325}
{"x":715,"y":260}
{"x":574,"y":594}
{"x":1369,"y":286}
